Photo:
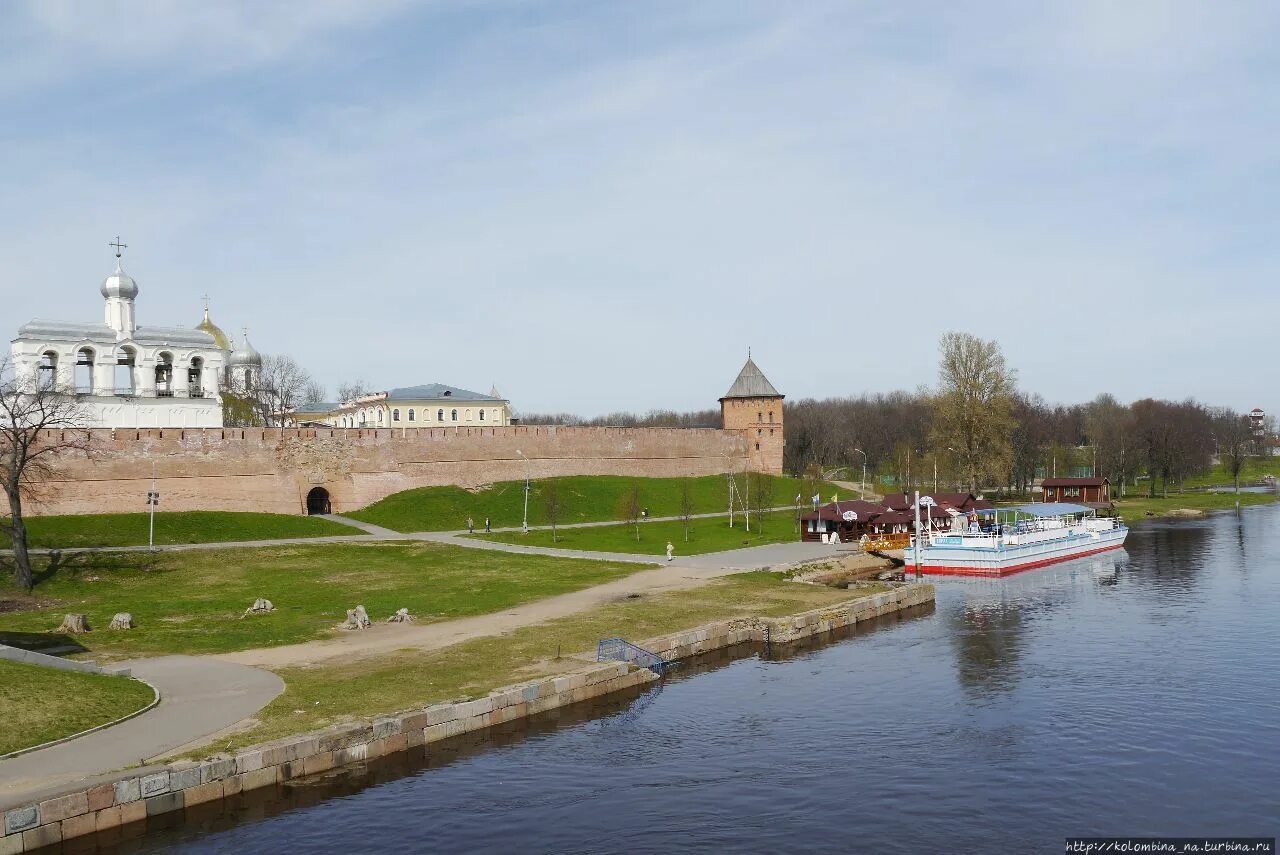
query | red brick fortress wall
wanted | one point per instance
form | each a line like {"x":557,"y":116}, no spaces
{"x":255,"y":469}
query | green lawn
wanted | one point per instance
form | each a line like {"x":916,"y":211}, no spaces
{"x":585,"y":499}
{"x":1135,"y":508}
{"x":192,"y":602}
{"x":176,"y":527}
{"x":318,"y":696}
{"x":705,"y":535}
{"x":38,"y":704}
{"x":1254,"y":469}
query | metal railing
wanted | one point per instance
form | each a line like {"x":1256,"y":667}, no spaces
{"x":621,"y":650}
{"x":885,"y":542}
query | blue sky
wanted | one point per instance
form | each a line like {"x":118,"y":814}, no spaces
{"x":600,"y":206}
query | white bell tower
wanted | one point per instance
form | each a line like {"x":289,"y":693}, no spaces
{"x":120,"y":291}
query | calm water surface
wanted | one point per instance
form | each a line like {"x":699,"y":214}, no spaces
{"x":1131,"y":694}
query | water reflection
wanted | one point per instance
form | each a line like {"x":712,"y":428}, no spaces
{"x":621,"y":715}
{"x":1127,"y":693}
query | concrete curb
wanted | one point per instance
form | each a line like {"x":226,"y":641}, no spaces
{"x":44,"y":660}
{"x":155,"y":699}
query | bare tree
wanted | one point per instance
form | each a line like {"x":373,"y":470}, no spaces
{"x":1235,"y":436}
{"x":552,"y":505}
{"x":761,"y":491}
{"x":279,"y":387}
{"x":39,"y":423}
{"x":351,"y":390}
{"x":686,"y":506}
{"x":631,"y":508}
{"x":973,"y":412}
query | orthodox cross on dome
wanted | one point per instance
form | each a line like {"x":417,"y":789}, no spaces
{"x":118,"y":245}
{"x":206,"y":302}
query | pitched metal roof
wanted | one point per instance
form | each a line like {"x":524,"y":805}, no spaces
{"x":437,"y":391}
{"x":1050,"y":509}
{"x":67,"y":331}
{"x":160,"y":336}
{"x":1074,"y":482}
{"x":751,"y":383}
{"x":103,"y":334}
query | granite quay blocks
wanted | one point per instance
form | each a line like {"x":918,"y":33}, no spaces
{"x":164,"y":803}
{"x":63,"y":807}
{"x":133,"y":797}
{"x":154,"y":785}
{"x":78,"y":826}
{"x":11,"y":844}
{"x":43,"y":835}
{"x":20,"y":819}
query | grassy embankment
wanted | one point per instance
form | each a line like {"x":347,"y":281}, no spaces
{"x":705,"y":535}
{"x":192,"y":602}
{"x":39,"y":705}
{"x":584,"y":499}
{"x":1135,"y":508}
{"x":319,"y":696}
{"x":1255,"y":468}
{"x":64,"y":532}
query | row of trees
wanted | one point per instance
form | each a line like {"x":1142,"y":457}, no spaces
{"x":976,"y":430}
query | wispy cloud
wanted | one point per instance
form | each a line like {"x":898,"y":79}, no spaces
{"x":601,"y":206}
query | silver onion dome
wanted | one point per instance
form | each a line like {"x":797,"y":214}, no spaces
{"x":119,"y":284}
{"x":245,"y":353}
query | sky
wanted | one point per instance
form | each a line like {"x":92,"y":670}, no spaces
{"x":601,"y":206}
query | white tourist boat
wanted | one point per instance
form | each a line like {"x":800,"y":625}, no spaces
{"x":1007,"y":540}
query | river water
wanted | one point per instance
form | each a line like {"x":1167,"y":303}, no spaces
{"x":1135,"y":693}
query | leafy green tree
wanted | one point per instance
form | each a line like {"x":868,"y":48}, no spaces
{"x":973,"y":411}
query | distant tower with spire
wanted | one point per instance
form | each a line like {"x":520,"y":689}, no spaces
{"x":752,"y":405}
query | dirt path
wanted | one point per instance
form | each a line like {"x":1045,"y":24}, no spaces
{"x":381,"y":638}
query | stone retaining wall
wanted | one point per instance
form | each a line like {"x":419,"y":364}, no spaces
{"x":135,"y":795}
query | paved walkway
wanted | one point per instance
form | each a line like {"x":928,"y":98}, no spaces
{"x":198,"y":696}
{"x":373,"y":534}
{"x":201,"y":696}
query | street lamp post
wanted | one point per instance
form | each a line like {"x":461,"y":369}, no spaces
{"x":153,"y":499}
{"x":524,"y":526}
{"x":728,"y":475}
{"x":864,"y":472}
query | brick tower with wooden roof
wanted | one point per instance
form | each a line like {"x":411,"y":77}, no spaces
{"x":752,"y":405}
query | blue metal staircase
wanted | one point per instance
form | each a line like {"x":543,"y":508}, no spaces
{"x":621,"y":650}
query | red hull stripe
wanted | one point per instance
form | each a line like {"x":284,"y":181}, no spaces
{"x":951,"y":570}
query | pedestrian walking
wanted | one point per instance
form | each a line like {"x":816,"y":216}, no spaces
{"x":486,"y":526}
{"x":671,"y":551}
{"x":471,"y":526}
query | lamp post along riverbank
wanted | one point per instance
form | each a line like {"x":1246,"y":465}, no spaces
{"x":524,"y":525}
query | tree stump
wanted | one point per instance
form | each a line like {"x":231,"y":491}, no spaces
{"x":357,"y":618}
{"x":401,"y":616}
{"x":260,"y":607}
{"x":122,"y":620}
{"x":74,"y":625}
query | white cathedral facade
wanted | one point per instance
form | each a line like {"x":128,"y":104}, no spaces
{"x":127,"y":375}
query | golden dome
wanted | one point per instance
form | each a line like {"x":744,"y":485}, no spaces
{"x":212,"y":329}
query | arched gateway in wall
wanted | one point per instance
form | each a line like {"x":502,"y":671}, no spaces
{"x":318,"y":501}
